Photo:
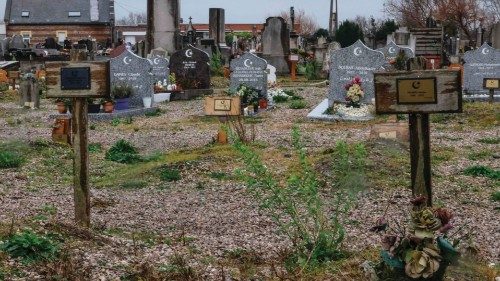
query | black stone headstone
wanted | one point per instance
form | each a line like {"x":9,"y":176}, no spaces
{"x":191,"y":68}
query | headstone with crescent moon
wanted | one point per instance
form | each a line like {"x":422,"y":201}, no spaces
{"x":249,"y":70}
{"x":160,"y":68}
{"x":479,"y":64}
{"x":191,"y":68}
{"x":134,"y":71}
{"x":347,"y":63}
{"x":392,"y":50}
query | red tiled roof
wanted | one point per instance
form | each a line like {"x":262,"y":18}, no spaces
{"x":233,"y":27}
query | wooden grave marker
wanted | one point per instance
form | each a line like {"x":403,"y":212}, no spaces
{"x":419,"y":93}
{"x":79,"y":81}
{"x":491,"y":84}
{"x":224,"y":107}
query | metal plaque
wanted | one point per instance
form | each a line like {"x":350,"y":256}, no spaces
{"x":492,"y":83}
{"x":222,"y":104}
{"x":75,"y":78}
{"x":417,"y":91}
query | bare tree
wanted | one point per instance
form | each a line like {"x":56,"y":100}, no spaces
{"x":412,"y":13}
{"x":492,"y":7}
{"x":133,"y":19}
{"x":308,"y":25}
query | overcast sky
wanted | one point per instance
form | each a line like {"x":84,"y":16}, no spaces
{"x":255,"y":11}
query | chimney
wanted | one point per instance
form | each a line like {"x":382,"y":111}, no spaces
{"x":94,"y":10}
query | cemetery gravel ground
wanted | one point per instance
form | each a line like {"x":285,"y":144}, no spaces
{"x":140,"y":222}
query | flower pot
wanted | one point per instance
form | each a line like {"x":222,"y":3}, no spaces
{"x":108,"y":107}
{"x":161,"y":97}
{"x":61,"y":108}
{"x":122,"y":104}
{"x":263,"y":103}
{"x":147,"y":102}
{"x":94,"y":108}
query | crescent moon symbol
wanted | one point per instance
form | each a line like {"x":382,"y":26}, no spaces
{"x":392,"y":50}
{"x":416,"y":85}
{"x":156,"y":61}
{"x":248,"y":63}
{"x":127,"y":60}
{"x":189,"y":53}
{"x":485,"y":51}
{"x":357,"y":51}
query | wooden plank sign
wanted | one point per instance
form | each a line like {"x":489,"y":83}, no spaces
{"x":14,"y":74}
{"x":223,"y":106}
{"x":492,"y":83}
{"x":433,"y":91}
{"x":77,"y":80}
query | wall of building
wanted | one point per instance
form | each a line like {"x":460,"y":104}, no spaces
{"x":73,"y":32}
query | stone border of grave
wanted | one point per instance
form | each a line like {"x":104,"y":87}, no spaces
{"x":318,"y":113}
{"x":133,"y":112}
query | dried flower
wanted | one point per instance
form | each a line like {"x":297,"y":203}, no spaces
{"x":425,"y":223}
{"x":418,"y":201}
{"x":422,"y":263}
{"x":444,"y":215}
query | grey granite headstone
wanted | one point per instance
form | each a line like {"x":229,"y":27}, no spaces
{"x":479,"y":64}
{"x":191,"y":68}
{"x":130,"y":69}
{"x":249,"y":70}
{"x":160,"y":70}
{"x":392,"y":50}
{"x":347,"y":63}
{"x":276,"y":44}
{"x":158,"y":52}
{"x":17,"y":42}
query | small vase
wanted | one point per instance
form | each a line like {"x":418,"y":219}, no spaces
{"x":263,"y":103}
{"x":61,"y":108}
{"x":108,"y":107}
{"x":122,"y":104}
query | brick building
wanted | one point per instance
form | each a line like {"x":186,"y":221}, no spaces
{"x":37,"y":20}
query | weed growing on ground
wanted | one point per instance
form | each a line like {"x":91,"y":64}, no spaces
{"x":298,"y":207}
{"x":170,"y":174}
{"x":495,"y":196}
{"x":123,"y":152}
{"x":154,"y":113}
{"x":134,"y":184}
{"x":298,"y":104}
{"x":495,"y":140}
{"x":482,"y":171}
{"x":10,"y":159}
{"x":95,"y":147}
{"x":31,"y":247}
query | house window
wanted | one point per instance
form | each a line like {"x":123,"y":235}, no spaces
{"x":74,"y":14}
{"x":61,"y":36}
{"x":26,"y":36}
{"x":25,"y":14}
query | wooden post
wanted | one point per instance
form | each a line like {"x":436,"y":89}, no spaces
{"x":81,"y":162}
{"x":151,"y":27}
{"x":492,"y":96}
{"x":420,"y":156}
{"x":294,"y":70}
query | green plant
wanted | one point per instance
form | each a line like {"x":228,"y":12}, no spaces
{"x":134,"y":184}
{"x":10,"y":159}
{"x":116,"y":121}
{"x":123,"y":152}
{"x":216,"y":64}
{"x":495,"y":196}
{"x":494,"y":140}
{"x":312,"y":69}
{"x":31,"y":247}
{"x":170,"y":174}
{"x":121,"y":91}
{"x":280,"y":99}
{"x":218,"y":175}
{"x":482,"y":171}
{"x":155,"y":113}
{"x":95,"y":147}
{"x":298,"y":104}
{"x":348,"y":33}
{"x":298,"y":207}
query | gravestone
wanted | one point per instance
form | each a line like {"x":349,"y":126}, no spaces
{"x":271,"y":74}
{"x":158,"y":52}
{"x":276,"y":44}
{"x":50,"y":43}
{"x":391,"y":51}
{"x":118,"y":51}
{"x":17,"y":42}
{"x":334,"y":46}
{"x":249,"y":70}
{"x":160,"y":70}
{"x":191,"y":68}
{"x":495,"y":37}
{"x":132,"y":70}
{"x":347,"y":63}
{"x":479,"y":64}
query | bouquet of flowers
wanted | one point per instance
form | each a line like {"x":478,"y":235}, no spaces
{"x":354,"y":92}
{"x":248,"y":94}
{"x":420,"y":251}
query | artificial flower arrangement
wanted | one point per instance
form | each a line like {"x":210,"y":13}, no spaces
{"x":354,"y":92}
{"x":420,"y":251}
{"x":249,"y":95}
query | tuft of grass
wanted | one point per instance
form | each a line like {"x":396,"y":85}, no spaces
{"x":218,"y":175}
{"x":480,"y":155}
{"x":31,"y":247}
{"x":495,"y":196}
{"x":482,"y":171}
{"x":170,"y":174}
{"x":123,"y":152}
{"x":280,"y":99}
{"x":495,"y":140}
{"x":154,"y":113}
{"x":10,"y":159}
{"x":134,"y":184}
{"x":95,"y":147}
{"x":298,"y":104}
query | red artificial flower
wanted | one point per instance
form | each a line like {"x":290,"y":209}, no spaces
{"x":444,"y":215}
